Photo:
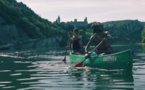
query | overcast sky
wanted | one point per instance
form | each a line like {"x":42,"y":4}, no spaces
{"x":94,"y":10}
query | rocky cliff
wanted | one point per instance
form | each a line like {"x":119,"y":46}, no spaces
{"x":11,"y":37}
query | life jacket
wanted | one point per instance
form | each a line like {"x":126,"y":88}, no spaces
{"x":76,"y":44}
{"x":104,"y":47}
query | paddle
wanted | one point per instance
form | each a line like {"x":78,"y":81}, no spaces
{"x":64,"y":60}
{"x":81,"y":63}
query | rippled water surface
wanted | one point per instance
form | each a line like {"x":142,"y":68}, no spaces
{"x":40,"y":70}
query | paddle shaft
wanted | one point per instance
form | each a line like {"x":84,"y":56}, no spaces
{"x":64,"y":60}
{"x":80,"y":64}
{"x":94,"y":49}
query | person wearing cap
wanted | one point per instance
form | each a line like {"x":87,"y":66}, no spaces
{"x":76,"y":43}
{"x":97,"y":37}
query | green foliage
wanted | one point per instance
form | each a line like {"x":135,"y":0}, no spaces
{"x":143,"y":35}
{"x":85,"y":35}
{"x":24,"y":18}
{"x":125,"y":30}
{"x":36,"y":27}
{"x":63,"y":41}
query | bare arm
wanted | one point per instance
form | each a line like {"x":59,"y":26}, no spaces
{"x":88,"y":44}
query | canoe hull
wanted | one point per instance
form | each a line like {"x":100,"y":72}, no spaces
{"x":119,"y":60}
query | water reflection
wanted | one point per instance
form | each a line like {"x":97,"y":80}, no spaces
{"x":32,"y":70}
{"x":102,"y":80}
{"x":9,"y":74}
{"x":41,"y":75}
{"x":143,"y":47}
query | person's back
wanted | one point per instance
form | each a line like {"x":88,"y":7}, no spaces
{"x":105,"y":47}
{"x":98,"y":36}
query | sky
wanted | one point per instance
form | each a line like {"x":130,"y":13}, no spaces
{"x":94,"y":10}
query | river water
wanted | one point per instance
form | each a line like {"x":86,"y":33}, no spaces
{"x":44,"y":70}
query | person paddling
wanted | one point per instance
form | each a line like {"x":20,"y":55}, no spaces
{"x":98,"y":36}
{"x":76,"y":43}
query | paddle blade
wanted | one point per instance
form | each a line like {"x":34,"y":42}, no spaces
{"x":64,"y":60}
{"x":79,"y":65}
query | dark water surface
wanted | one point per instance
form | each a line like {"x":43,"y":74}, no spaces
{"x":40,"y":70}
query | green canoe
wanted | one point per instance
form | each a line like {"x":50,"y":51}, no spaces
{"x":118,"y":60}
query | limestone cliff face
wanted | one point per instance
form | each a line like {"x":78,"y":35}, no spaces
{"x":11,"y":37}
{"x":9,"y":33}
{"x":46,"y":43}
